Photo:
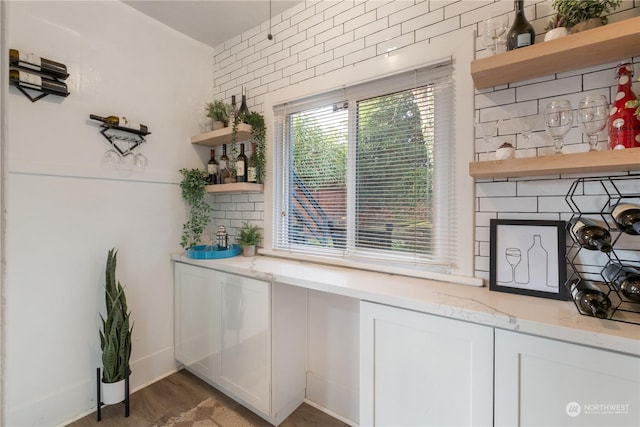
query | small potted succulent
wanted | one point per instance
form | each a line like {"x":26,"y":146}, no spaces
{"x":248,"y":238}
{"x":505,"y":151}
{"x":555,"y":28}
{"x":582,"y":15}
{"x":218,"y":111}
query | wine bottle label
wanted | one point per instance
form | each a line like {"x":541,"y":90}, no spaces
{"x":251,"y":174}
{"x":30,"y":80}
{"x":222,"y":164}
{"x":30,"y":60}
{"x":212,"y":169}
{"x":240,"y":170}
{"x":524,"y":39}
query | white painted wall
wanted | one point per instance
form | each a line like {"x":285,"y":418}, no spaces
{"x":64,"y":212}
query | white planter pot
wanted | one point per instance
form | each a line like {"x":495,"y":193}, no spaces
{"x":555,"y":33}
{"x":112,"y":392}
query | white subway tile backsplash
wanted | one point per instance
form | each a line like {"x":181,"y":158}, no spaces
{"x":348,"y":16}
{"x":438,"y":29}
{"x":394,"y":43}
{"x":361,"y":55}
{"x":536,"y":187}
{"x":383,"y":35}
{"x":422,"y":21}
{"x":491,"y":189}
{"x":359,"y":21}
{"x":329,"y":34}
{"x":555,"y":88}
{"x":339,"y":41}
{"x":402,"y":15}
{"x":329,"y":66}
{"x":509,"y":204}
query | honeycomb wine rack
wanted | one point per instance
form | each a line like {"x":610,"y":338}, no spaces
{"x":593,"y":198}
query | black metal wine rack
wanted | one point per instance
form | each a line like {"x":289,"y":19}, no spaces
{"x":593,"y":198}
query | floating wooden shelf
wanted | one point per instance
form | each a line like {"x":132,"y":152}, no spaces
{"x":235,"y":187}
{"x":590,"y":162}
{"x":222,"y":136}
{"x":600,"y":45}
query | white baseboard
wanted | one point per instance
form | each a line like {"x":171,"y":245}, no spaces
{"x":331,"y":413}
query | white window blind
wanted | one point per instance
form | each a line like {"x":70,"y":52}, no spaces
{"x":366,"y":172}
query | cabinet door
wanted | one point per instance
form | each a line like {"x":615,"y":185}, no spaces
{"x":245,"y":364}
{"x":542,"y":382}
{"x":196,"y":326}
{"x":419,"y":369}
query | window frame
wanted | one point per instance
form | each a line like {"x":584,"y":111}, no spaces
{"x":457,"y":47}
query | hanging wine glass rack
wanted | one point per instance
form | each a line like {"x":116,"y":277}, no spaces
{"x":134,"y":138}
{"x":594,"y":198}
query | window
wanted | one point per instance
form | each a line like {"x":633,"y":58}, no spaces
{"x":366,"y":172}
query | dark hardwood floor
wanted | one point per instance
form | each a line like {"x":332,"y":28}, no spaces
{"x":179,"y":392}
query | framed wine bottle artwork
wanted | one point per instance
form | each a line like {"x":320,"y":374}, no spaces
{"x":527,"y":257}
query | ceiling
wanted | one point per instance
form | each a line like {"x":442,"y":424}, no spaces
{"x":211,"y":21}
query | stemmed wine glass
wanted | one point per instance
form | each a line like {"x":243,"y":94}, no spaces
{"x":139,"y":160}
{"x":526,"y":124}
{"x":487,"y":130}
{"x":514,"y":257}
{"x":558,"y":118}
{"x":492,"y":31}
{"x":593,"y":114}
{"x":111,"y":159}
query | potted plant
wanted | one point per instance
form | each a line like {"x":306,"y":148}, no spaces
{"x":582,"y":15}
{"x":248,"y":238}
{"x":218,"y":111}
{"x":115,"y":336}
{"x":555,"y":28}
{"x":194,"y":195}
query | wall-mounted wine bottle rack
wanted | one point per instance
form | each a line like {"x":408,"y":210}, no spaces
{"x":594,"y":198}
{"x":135,"y":137}
{"x":25,"y":88}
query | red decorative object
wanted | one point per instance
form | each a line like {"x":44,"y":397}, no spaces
{"x":624,"y":127}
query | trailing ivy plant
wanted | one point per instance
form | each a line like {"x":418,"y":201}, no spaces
{"x":194,"y":195}
{"x":576,"y":11}
{"x":258,"y":135}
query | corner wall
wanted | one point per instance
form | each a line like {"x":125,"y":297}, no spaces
{"x":64,"y":212}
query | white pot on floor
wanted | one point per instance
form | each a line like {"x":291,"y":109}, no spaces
{"x":112,"y":392}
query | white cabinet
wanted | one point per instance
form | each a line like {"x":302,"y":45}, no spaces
{"x":543,"y":382}
{"x":229,"y":331}
{"x":420,"y":369}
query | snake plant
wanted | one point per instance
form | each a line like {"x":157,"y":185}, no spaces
{"x":115,"y":336}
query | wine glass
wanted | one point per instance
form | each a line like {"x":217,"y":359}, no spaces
{"x":514,"y":257}
{"x":558,"y":118}
{"x":593,"y":114}
{"x":526,"y":124}
{"x":140,"y":161}
{"x":111,"y":159}
{"x":492,"y":31}
{"x":487,"y":130}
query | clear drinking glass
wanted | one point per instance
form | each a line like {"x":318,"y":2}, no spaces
{"x":492,"y":31}
{"x":111,"y":159}
{"x":558,"y":118}
{"x":593,"y":113}
{"x":487,"y":130}
{"x":139,"y":160}
{"x":525,"y":125}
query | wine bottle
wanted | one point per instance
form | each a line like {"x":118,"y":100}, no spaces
{"x":252,"y":171}
{"x":624,"y":128}
{"x":120,"y":121}
{"x":110,"y":120}
{"x":37,"y":63}
{"x":244,"y":110}
{"x":212,"y":168}
{"x":37,"y":82}
{"x":589,"y":299}
{"x":241,"y":165}
{"x":223,"y":165}
{"x":521,"y":33}
{"x":590,"y":235}
{"x":625,"y":279}
{"x":627,"y":217}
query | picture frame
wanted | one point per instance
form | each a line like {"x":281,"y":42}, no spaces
{"x":527,"y":257}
